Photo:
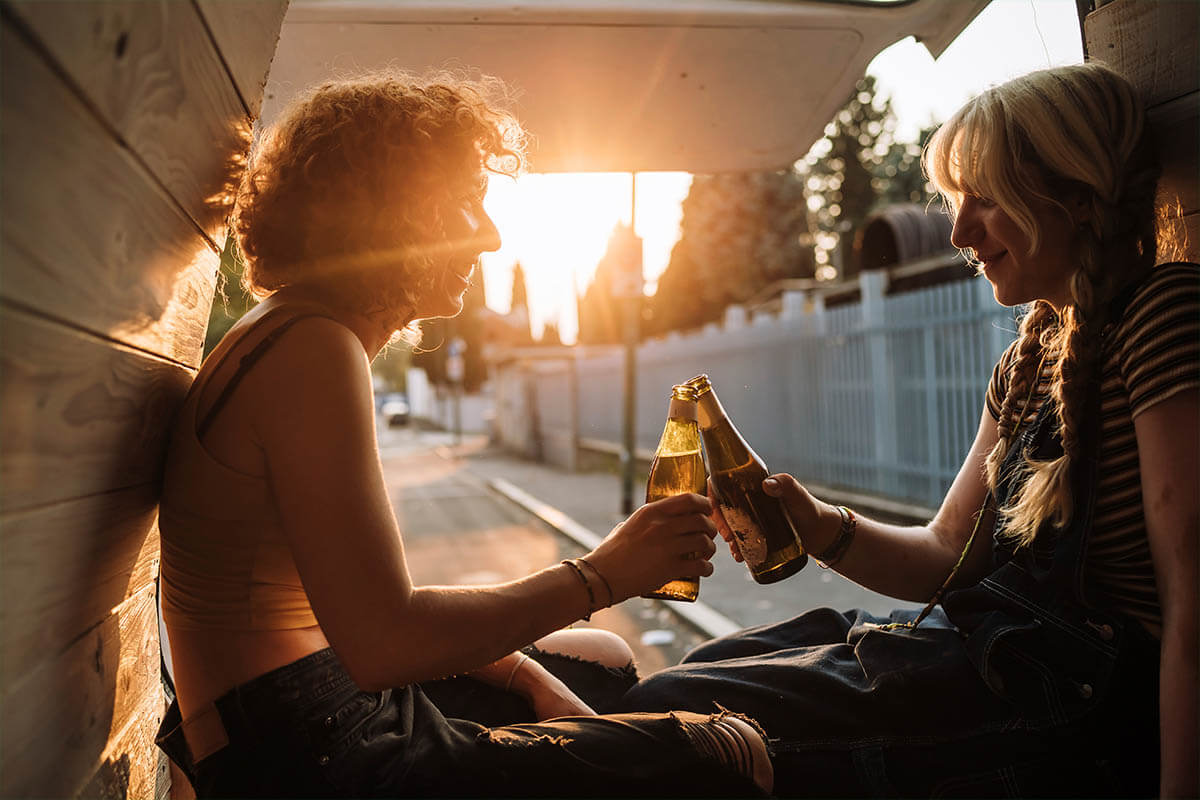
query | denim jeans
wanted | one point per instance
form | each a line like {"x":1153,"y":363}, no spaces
{"x":306,"y":730}
{"x":1015,"y":686}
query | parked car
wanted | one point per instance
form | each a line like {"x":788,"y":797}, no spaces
{"x":395,"y":409}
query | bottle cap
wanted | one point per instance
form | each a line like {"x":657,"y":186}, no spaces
{"x":682,"y":391}
{"x":700,"y":384}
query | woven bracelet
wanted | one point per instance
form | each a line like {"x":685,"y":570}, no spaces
{"x":587,"y":585}
{"x":608,"y":588}
{"x":837,"y":551}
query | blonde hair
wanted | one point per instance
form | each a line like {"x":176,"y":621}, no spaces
{"x":352,"y":180}
{"x":1068,"y":132}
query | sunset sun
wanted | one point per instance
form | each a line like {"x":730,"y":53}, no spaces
{"x":557,"y":227}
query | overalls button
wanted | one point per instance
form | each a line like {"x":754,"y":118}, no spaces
{"x":329,"y":722}
{"x":1105,"y":632}
{"x":1085,"y":691}
{"x":323,"y":760}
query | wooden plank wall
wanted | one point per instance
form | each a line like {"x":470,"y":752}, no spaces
{"x":122,"y":125}
{"x":1156,"y":44}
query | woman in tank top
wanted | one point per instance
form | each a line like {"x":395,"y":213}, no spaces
{"x":298,"y":638}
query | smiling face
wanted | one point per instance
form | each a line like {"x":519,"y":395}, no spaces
{"x":1018,"y":272}
{"x":468,"y":231}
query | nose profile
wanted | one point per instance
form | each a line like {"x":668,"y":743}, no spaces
{"x":488,"y":234}
{"x":965,"y":232}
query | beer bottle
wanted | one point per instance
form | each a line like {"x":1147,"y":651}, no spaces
{"x":764,"y":532}
{"x":678,"y":467}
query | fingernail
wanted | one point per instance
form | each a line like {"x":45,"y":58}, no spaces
{"x":770,"y":483}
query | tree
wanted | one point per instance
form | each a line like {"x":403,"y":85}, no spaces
{"x":519,"y":305}
{"x":468,"y":326}
{"x":899,"y":178}
{"x":550,"y":336}
{"x":231,"y":301}
{"x":740,"y":233}
{"x":598,"y":310}
{"x":857,"y":167}
{"x":519,"y":298}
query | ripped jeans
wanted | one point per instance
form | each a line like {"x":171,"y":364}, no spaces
{"x":306,"y":730}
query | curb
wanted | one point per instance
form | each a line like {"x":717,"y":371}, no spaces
{"x":699,"y":614}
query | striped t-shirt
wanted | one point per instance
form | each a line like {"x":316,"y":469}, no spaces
{"x":1152,"y":354}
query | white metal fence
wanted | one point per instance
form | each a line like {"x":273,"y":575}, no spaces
{"x":881,"y":396}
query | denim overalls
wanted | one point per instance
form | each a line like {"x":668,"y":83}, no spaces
{"x":1013,"y":687}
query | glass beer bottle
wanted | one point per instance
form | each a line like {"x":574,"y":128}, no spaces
{"x":764,"y":532}
{"x":678,"y":467}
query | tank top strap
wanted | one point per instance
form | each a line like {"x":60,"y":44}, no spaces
{"x":246,"y":363}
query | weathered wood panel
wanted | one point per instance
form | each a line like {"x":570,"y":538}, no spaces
{"x":1190,"y":250}
{"x":81,"y":416}
{"x":1177,"y":129}
{"x":88,"y":236}
{"x":1155,"y":44}
{"x":132,"y":766}
{"x":65,"y":720}
{"x":103,"y":549}
{"x":152,"y":73}
{"x":120,"y":123}
{"x":247,"y":32}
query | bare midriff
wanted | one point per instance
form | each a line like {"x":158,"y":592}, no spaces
{"x":208,"y":663}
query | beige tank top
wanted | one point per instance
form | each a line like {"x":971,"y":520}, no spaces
{"x":226,"y":564}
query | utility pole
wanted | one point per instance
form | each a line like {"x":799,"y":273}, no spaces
{"x":455,"y":372}
{"x":631,"y":289}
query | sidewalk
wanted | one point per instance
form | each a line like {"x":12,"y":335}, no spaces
{"x":584,"y":504}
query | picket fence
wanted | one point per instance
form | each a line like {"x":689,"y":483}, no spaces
{"x":881,"y":396}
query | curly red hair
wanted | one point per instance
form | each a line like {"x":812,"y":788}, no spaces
{"x":348,"y":187}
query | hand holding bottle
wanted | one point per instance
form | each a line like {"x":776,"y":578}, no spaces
{"x":661,"y":541}
{"x":678,"y":468}
{"x":815,"y":521}
{"x":722,"y":526}
{"x":766,"y":539}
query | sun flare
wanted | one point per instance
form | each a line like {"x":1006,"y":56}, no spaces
{"x":558,"y":226}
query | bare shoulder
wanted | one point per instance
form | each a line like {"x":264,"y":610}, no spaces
{"x":316,"y":367}
{"x":314,"y":349}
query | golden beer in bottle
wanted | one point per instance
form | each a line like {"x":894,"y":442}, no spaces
{"x":678,"y":467}
{"x":760,"y":524}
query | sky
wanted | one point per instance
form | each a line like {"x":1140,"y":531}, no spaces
{"x":558,"y":226}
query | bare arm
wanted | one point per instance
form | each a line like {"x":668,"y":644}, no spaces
{"x":1168,"y":438}
{"x":909,"y":563}
{"x":314,"y":420}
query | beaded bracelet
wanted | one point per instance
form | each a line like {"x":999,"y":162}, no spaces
{"x":837,"y":551}
{"x":608,"y":588}
{"x":586,"y":584}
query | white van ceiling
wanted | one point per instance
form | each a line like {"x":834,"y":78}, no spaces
{"x":695,"y":85}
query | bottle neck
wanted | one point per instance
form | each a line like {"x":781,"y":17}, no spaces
{"x":682,"y":409}
{"x":709,"y":411}
{"x":724,"y":443}
{"x":680,"y":436}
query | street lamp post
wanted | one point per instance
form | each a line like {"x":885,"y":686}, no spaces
{"x":631,"y":289}
{"x":456,"y":371}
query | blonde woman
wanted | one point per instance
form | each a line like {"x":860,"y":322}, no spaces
{"x":298,"y":638}
{"x":1061,"y":651}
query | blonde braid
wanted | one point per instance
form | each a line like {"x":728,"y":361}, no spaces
{"x":1115,"y":249}
{"x":1036,"y":325}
